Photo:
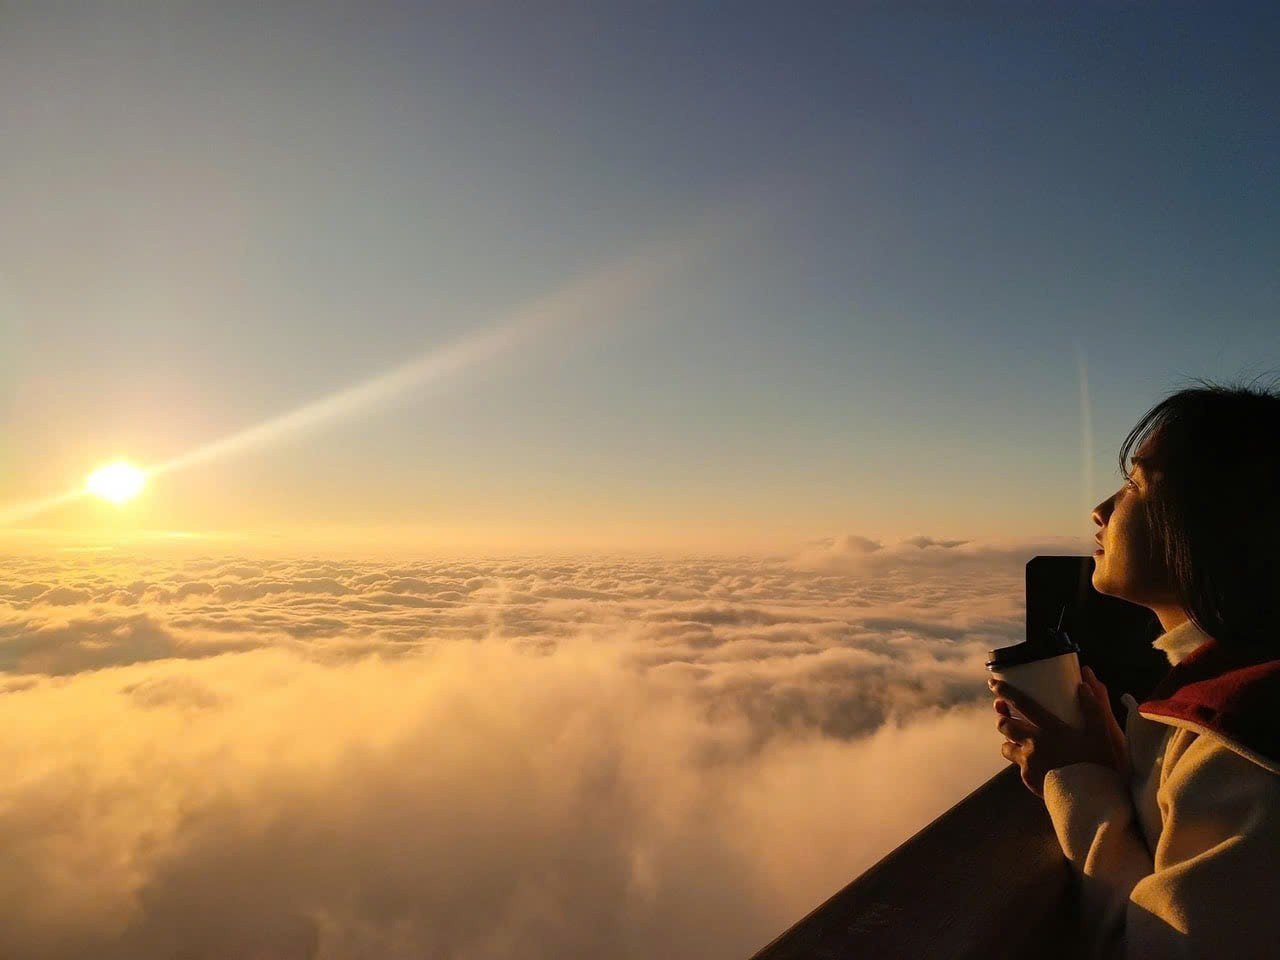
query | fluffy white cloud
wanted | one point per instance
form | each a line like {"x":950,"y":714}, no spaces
{"x":541,"y":758}
{"x":852,"y":553}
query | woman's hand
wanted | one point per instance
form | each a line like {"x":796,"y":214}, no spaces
{"x":1047,"y":743}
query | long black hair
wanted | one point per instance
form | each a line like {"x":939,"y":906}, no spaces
{"x":1214,"y":508}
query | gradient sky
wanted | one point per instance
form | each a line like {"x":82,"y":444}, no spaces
{"x":966,"y":251}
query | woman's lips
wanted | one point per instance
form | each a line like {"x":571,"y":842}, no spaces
{"x":1098,"y":552}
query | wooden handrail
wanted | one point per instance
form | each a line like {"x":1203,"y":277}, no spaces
{"x":985,"y":879}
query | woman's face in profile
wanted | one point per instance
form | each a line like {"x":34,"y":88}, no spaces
{"x":1131,"y":565}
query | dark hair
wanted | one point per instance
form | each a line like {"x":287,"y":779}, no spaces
{"x":1214,"y":506}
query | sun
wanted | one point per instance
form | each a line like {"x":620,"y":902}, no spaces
{"x":118,"y":482}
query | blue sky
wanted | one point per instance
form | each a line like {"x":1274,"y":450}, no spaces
{"x":217,"y":214}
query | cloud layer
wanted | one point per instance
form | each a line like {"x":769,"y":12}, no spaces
{"x":542,"y":758}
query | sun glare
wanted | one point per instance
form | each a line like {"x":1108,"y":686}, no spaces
{"x":118,"y":482}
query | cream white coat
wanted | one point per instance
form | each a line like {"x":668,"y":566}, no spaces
{"x":1179,"y":856}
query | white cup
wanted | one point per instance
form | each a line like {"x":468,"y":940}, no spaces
{"x":1053,"y":682}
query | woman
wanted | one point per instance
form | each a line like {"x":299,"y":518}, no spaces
{"x":1173,"y":824}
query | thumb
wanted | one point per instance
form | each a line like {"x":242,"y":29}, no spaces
{"x":1099,"y":719}
{"x":1089,"y":701}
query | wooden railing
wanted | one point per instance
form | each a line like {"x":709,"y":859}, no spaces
{"x":986,"y":879}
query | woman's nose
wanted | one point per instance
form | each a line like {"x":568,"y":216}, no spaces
{"x":1101,"y":512}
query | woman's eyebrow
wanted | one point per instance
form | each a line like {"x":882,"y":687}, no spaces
{"x":1138,"y":465}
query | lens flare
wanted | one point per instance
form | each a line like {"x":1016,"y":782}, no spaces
{"x":117,"y":482}
{"x":1086,"y":428}
{"x":588,"y":301}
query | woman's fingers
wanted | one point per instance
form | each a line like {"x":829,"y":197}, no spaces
{"x":1096,"y":685}
{"x":1014,"y":729}
{"x":1100,"y":691}
{"x":1101,"y":697}
{"x":1091,"y":706}
{"x":1100,"y":707}
{"x":1024,"y":704}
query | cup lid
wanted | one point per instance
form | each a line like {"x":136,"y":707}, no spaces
{"x":1054,"y":643}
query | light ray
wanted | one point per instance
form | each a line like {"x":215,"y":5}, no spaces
{"x":18,"y":512}
{"x":600,"y":293}
{"x":1086,"y":427}
{"x":596,"y":298}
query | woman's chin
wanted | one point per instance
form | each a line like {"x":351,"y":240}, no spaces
{"x":1100,"y":580}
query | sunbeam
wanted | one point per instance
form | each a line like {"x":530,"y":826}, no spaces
{"x":1086,"y":427}
{"x":595,"y":298}
{"x":17,"y":512}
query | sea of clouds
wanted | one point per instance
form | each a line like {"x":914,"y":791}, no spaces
{"x":569,"y":757}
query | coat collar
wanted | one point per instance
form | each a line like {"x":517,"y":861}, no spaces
{"x":1229,"y":692}
{"x":1180,"y":641}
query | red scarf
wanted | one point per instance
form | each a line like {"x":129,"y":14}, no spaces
{"x":1233,"y":692}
